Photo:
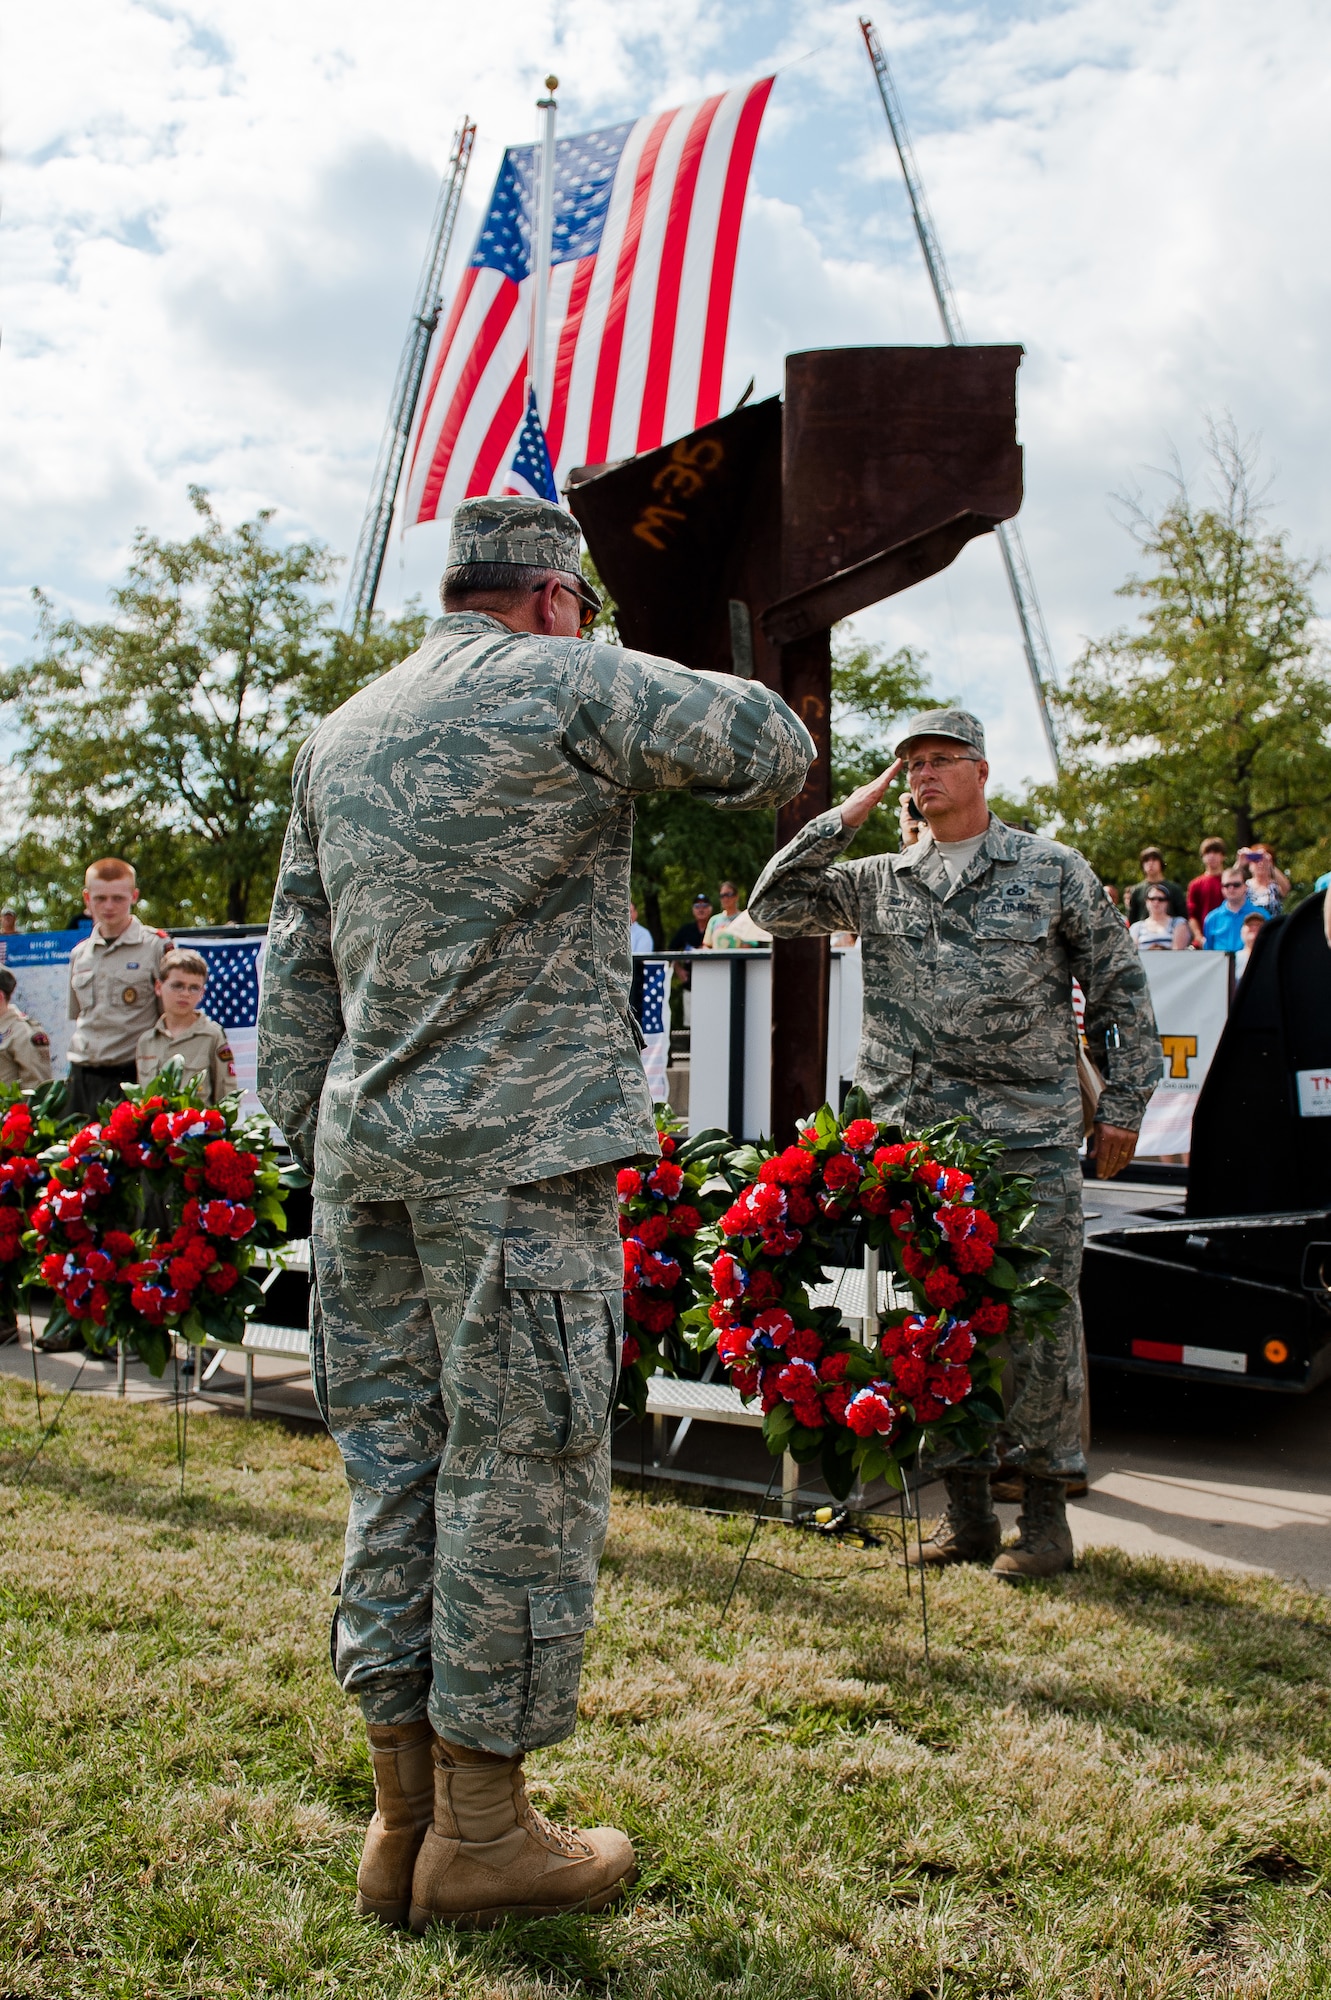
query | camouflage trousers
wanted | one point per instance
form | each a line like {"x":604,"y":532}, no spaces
{"x":1042,"y":1426}
{"x":464,"y":1354}
{"x":1044,"y":1382}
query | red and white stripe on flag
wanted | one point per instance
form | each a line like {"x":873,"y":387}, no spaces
{"x":646,"y":234}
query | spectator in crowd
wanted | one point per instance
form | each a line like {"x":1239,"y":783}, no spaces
{"x":689,"y":936}
{"x":640,"y":938}
{"x":1224,"y":927}
{"x":1160,"y":929}
{"x":1153,"y":876}
{"x":727,"y":913}
{"x":25,"y":1046}
{"x":112,"y":998}
{"x":184,"y":1034}
{"x":1253,"y":926}
{"x":8,"y":923}
{"x":1204,"y":893}
{"x":1268,"y":885}
{"x":733,"y":929}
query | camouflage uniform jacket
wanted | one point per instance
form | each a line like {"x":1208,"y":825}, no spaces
{"x":445,"y":986}
{"x":968,"y":986}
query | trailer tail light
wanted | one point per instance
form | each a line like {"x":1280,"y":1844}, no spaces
{"x":1275,"y":1352}
{"x":1193,"y":1357}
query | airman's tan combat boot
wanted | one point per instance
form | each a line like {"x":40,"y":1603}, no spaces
{"x":969,"y":1531}
{"x":403,"y":1809}
{"x":490,"y":1854}
{"x":1044,"y":1545}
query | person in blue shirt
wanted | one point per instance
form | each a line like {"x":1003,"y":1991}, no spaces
{"x":1224,"y":927}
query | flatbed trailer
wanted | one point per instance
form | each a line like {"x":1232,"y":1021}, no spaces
{"x":1225,"y":1276}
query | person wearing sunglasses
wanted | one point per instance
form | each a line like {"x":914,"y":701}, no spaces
{"x":446,"y":1041}
{"x":971,"y":940}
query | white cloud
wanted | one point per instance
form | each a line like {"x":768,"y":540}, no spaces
{"x":214,"y":227}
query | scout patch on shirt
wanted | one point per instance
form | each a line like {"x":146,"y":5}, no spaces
{"x":130,"y":995}
{"x":225,"y":1055}
{"x":39,"y":1040}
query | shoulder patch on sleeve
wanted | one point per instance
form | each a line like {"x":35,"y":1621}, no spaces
{"x":39,"y":1040}
{"x":225,"y":1052}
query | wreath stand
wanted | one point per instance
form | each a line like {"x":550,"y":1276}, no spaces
{"x":908,"y":1493}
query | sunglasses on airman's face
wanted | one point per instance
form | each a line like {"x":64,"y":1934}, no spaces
{"x":588,"y":600}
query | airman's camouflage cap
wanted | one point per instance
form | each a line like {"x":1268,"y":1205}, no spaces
{"x":534,"y":534}
{"x":958,"y":723}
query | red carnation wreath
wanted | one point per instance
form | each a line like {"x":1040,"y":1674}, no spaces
{"x":161,"y":1155}
{"x":662,"y":1208}
{"x":25,"y":1129}
{"x":953,"y":1226}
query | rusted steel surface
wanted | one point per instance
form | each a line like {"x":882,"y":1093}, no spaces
{"x":681,"y":534}
{"x":892,"y":459}
{"x":738,"y":547}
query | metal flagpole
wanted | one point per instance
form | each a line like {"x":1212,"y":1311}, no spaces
{"x":542,"y":237}
{"x":368,"y":562}
{"x":1016,"y":564}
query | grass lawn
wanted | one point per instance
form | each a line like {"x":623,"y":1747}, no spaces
{"x":1118,"y":1783}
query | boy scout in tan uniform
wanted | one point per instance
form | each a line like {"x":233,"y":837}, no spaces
{"x":111,"y":996}
{"x":25,"y":1046}
{"x":185,"y":1035}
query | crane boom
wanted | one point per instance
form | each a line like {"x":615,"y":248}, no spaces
{"x":368,"y":562}
{"x":1016,"y":564}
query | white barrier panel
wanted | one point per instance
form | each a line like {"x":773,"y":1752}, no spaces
{"x":1190,"y":994}
{"x":731,"y":1037}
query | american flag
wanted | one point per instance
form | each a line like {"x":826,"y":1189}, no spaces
{"x":654,"y":1016}
{"x":531,"y":476}
{"x":646,"y":233}
{"x":232,"y":997}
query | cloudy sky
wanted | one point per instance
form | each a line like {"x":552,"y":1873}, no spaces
{"x":214,"y":220}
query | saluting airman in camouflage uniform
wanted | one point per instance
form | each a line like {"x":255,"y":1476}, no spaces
{"x":971,"y":940}
{"x":445,"y":1039}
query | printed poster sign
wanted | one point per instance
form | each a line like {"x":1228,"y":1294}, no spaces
{"x":1190,"y":993}
{"x":1314,"y":1087}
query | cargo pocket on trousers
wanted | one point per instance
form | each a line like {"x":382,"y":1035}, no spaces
{"x":561,"y":1617}
{"x":559,"y":1373}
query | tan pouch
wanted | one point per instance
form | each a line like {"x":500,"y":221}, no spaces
{"x":1090,"y":1083}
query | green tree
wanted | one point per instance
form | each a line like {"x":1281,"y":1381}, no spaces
{"x":872,"y":694}
{"x":166,"y":734}
{"x":1215,"y":717}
